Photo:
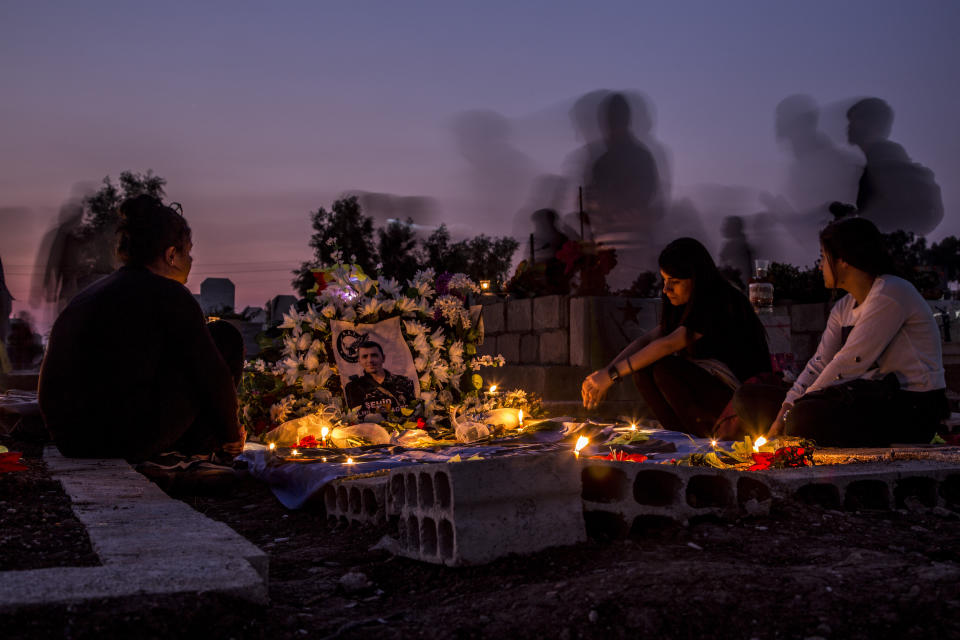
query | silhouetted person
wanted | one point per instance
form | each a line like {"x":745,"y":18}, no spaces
{"x":6,"y":306}
{"x":736,"y":251}
{"x":500,"y":174}
{"x":63,"y":258}
{"x":24,"y":345}
{"x":819,"y":173}
{"x":895,"y":193}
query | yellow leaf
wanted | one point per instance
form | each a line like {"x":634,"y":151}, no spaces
{"x":455,"y":458}
{"x":406,"y":411}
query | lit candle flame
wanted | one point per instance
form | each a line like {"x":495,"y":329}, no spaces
{"x":582,"y":441}
{"x":493,"y":388}
{"x":713,"y":443}
{"x":520,"y":417}
{"x":324,"y":431}
{"x":349,"y":460}
{"x":633,"y":427}
{"x":759,"y":442}
{"x":272,"y":446}
{"x":294,"y":452}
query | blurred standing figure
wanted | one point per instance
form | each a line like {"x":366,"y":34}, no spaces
{"x":6,"y":306}
{"x":62,"y":258}
{"x":623,"y":189}
{"x":895,"y":193}
{"x":736,"y":252}
{"x":818,"y":173}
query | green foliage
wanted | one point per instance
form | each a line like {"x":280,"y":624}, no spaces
{"x":797,"y":285}
{"x":344,"y":234}
{"x":397,"y":246}
{"x":100,"y":208}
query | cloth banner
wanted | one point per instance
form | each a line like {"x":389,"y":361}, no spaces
{"x":397,"y":359}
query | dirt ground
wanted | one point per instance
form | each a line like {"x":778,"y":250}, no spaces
{"x":803,"y":572}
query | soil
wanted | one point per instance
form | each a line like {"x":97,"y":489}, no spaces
{"x":802,"y":572}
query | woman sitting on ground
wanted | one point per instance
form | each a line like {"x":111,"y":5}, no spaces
{"x":708,"y":341}
{"x":131,"y":370}
{"x":877,"y":376}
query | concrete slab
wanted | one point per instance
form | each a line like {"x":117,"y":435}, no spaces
{"x":148,"y":543}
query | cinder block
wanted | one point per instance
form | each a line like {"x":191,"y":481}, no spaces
{"x":555,"y":347}
{"x":509,"y":346}
{"x":357,"y":500}
{"x":809,"y":317}
{"x":474,"y":512}
{"x":520,"y":315}
{"x":550,"y":312}
{"x":488,"y":347}
{"x":493,"y":318}
{"x":529,"y":349}
{"x":778,"y":332}
{"x":620,"y":497}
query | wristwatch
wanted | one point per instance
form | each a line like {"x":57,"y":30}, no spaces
{"x":613,"y":373}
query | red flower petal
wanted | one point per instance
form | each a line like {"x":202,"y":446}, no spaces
{"x":10,"y":461}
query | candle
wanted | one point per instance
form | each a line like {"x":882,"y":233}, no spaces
{"x":349,"y":460}
{"x":294,"y":452}
{"x":582,"y":441}
{"x":633,"y":427}
{"x":324,"y":431}
{"x":759,"y":442}
{"x":493,"y":389}
{"x":713,"y":443}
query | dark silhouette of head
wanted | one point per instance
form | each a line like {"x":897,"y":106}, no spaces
{"x":796,"y":118}
{"x":687,"y":259}
{"x":870,"y":120}
{"x":229,"y":342}
{"x":859,"y":243}
{"x":147,"y":228}
{"x":732,"y":227}
{"x":615,"y":116}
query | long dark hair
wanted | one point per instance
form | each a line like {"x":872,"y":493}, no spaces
{"x":686,"y":258}
{"x":147,"y":228}
{"x":859,"y":243}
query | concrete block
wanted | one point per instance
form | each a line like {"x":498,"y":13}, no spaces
{"x":357,"y":500}
{"x":493,"y":318}
{"x":529,"y":349}
{"x":555,"y":347}
{"x":193,"y":574}
{"x":550,"y":312}
{"x":601,"y":327}
{"x":474,"y":512}
{"x":488,"y":347}
{"x":778,"y":332}
{"x":509,"y":346}
{"x":809,"y":317}
{"x":147,"y":542}
{"x":623,"y":497}
{"x":520,"y":315}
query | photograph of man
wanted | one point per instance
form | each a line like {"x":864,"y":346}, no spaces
{"x":377,"y":391}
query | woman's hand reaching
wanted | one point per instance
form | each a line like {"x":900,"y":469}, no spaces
{"x":595,"y":387}
{"x":778,"y":426}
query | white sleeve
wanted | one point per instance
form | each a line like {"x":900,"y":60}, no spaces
{"x":871,"y":335}
{"x":828,"y":347}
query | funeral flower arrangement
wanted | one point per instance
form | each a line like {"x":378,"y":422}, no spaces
{"x":299,"y":377}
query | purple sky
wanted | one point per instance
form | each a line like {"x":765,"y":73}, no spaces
{"x":258,"y":113}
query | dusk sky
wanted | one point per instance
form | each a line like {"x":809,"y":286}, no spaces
{"x":258,"y":113}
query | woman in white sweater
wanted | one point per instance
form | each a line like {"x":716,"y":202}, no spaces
{"x":877,"y":376}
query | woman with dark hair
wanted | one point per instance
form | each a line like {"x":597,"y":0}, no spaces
{"x":131,"y":370}
{"x":709,"y":340}
{"x":877,"y":376}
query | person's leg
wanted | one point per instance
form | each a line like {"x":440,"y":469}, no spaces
{"x":694,"y":395}
{"x":757,"y":405}
{"x":853,"y":414}
{"x":917,"y":416}
{"x":655,"y":401}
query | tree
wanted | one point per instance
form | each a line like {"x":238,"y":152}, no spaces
{"x":342,"y":234}
{"x":400,"y":257}
{"x":101,"y":208}
{"x":481,"y":258}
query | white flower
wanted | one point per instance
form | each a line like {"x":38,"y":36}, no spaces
{"x":452,"y":310}
{"x":311,"y":363}
{"x":413,"y":328}
{"x":390,"y":287}
{"x":349,"y":314}
{"x":309,"y":382}
{"x":462,"y":282}
{"x":455,"y":352}
{"x":291,"y":320}
{"x":368,"y":307}
{"x":304,"y":341}
{"x":425,"y":380}
{"x":406,"y":305}
{"x":423,"y":282}
{"x":386,"y":306}
{"x":436,"y":340}
{"x":317,"y":347}
{"x":420,"y":344}
{"x":420,"y":363}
